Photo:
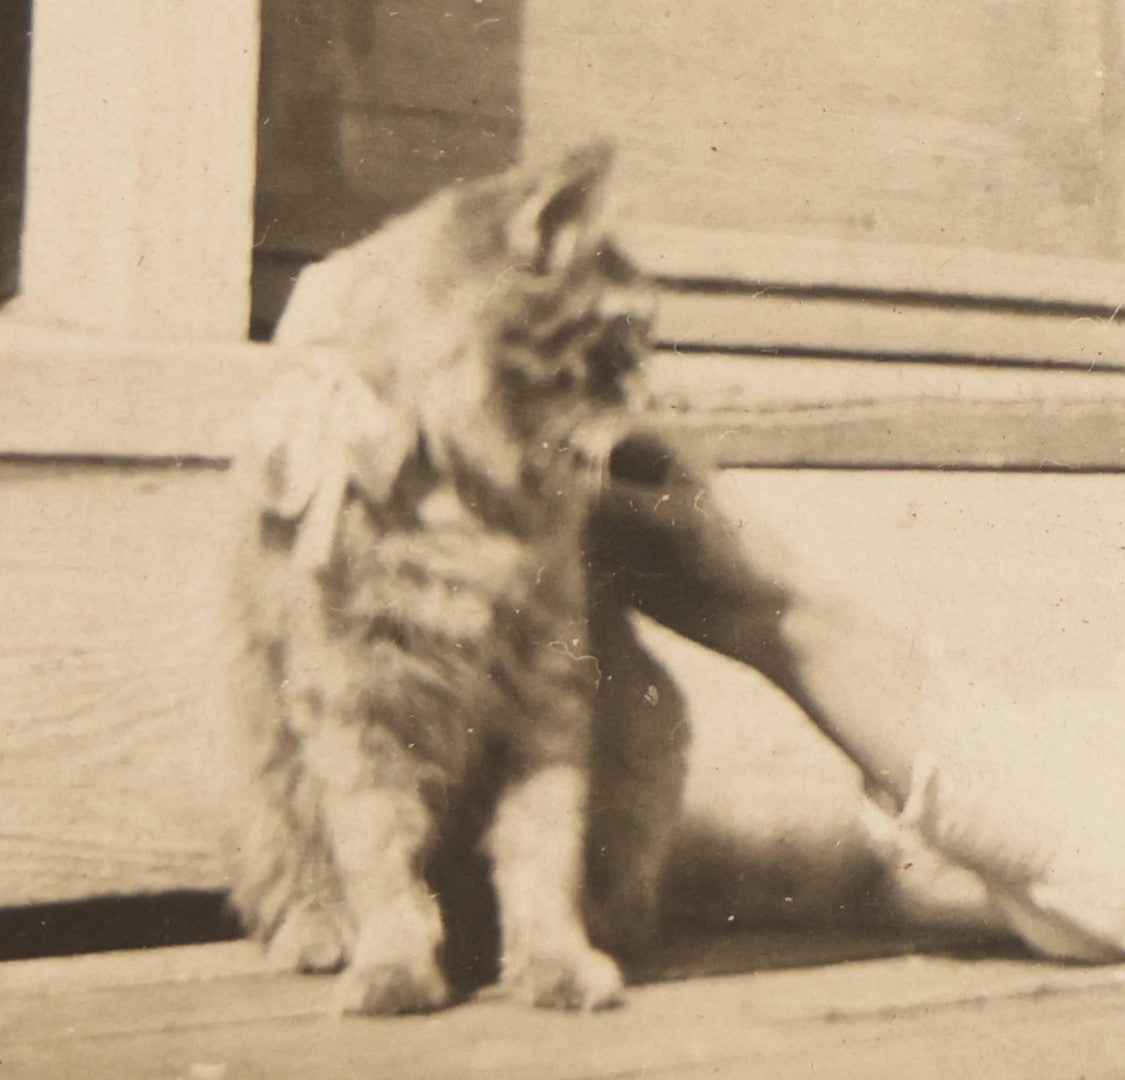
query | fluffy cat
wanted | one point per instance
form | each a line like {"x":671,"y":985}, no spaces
{"x":430,"y":657}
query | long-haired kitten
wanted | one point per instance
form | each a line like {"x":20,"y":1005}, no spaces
{"x":426,"y":664}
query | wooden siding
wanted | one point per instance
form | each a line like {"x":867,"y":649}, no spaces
{"x":115,"y":499}
{"x":108,"y":763}
{"x":995,"y":126}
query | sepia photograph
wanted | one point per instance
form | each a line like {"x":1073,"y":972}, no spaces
{"x":562,"y":540}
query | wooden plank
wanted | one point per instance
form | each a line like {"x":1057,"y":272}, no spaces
{"x":75,"y":395}
{"x":935,"y":434}
{"x":55,"y":975}
{"x":800,"y":991}
{"x":712,"y":381}
{"x":66,"y":395}
{"x":686,"y":254}
{"x":909,"y":1016}
{"x":765,"y":412}
{"x":111,"y":772}
{"x":686,"y":1038}
{"x":795,"y":326}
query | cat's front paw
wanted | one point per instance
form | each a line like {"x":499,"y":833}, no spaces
{"x":579,"y":978}
{"x":391,"y":989}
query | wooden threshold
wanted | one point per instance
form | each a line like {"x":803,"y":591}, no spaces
{"x":215,"y":1013}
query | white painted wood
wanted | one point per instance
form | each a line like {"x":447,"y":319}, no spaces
{"x":77,"y":394}
{"x":141,"y":166}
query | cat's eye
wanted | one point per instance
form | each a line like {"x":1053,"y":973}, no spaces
{"x":564,"y":381}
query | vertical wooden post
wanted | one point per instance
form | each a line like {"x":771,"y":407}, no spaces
{"x":140,"y":176}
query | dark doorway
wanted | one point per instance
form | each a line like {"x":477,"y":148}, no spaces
{"x":15,"y":52}
{"x":365,"y":107}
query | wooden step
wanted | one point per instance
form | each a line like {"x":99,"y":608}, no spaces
{"x":215,"y":1013}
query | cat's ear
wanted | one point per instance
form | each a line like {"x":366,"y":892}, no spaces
{"x":560,"y":210}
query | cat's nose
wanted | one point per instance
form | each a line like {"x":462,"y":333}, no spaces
{"x":643,"y":458}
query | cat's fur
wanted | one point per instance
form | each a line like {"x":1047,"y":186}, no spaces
{"x":426,"y":661}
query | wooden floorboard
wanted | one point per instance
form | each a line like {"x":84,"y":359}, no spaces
{"x":214,"y":1013}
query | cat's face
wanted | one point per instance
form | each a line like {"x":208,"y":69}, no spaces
{"x":560,"y":321}
{"x":500,"y":298}
{"x":496,"y":316}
